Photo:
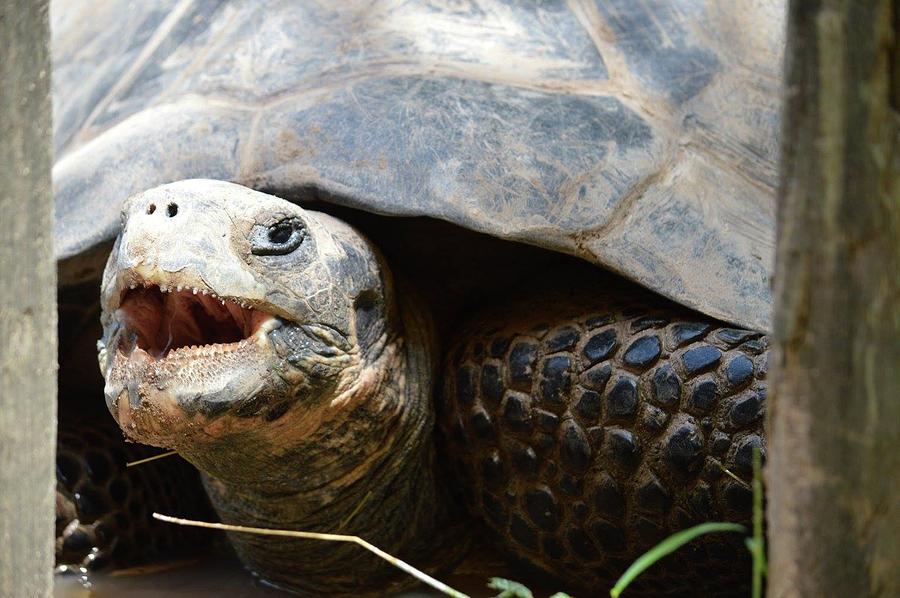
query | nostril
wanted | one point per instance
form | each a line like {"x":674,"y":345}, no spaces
{"x":151,"y":208}
{"x":171,"y":209}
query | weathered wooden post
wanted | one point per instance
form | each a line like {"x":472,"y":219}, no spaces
{"x":27,"y":304}
{"x":834,"y":472}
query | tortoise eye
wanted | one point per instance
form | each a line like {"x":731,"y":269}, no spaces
{"x":280,"y":238}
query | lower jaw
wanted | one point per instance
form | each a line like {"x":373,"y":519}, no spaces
{"x":185,"y":398}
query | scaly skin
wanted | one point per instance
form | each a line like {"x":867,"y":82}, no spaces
{"x":589,"y":425}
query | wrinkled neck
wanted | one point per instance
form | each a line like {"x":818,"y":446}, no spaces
{"x":369,"y":474}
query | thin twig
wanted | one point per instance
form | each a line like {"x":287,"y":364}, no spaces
{"x":353,"y":513}
{"x":153,"y":458}
{"x":731,"y":474}
{"x":404,"y":566}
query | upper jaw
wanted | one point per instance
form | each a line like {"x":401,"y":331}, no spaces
{"x":163,"y":316}
{"x":120,"y":278}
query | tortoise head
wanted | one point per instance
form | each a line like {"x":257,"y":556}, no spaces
{"x":231,"y":316}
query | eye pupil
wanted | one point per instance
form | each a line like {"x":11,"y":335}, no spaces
{"x":277,"y":238}
{"x":280,"y":233}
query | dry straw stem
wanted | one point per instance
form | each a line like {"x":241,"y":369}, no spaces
{"x":404,"y":566}
{"x":148,"y":459}
{"x":732,"y":475}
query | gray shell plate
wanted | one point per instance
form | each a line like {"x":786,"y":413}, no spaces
{"x":641,"y":136}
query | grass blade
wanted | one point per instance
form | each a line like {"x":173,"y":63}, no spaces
{"x":668,"y":546}
{"x":758,"y":544}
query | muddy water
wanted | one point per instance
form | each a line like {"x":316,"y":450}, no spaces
{"x":205,"y":578}
{"x":208,"y":578}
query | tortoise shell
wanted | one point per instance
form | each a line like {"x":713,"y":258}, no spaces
{"x":639,"y":136}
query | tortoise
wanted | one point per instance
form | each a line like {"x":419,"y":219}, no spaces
{"x":492,"y":273}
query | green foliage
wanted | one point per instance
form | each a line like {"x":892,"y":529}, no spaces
{"x":509,"y":588}
{"x":513,"y":589}
{"x":755,"y":544}
{"x":668,"y":546}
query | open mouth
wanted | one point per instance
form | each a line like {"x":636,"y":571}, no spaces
{"x":163,"y":321}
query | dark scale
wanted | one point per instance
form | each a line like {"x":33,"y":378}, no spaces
{"x":494,"y":509}
{"x":607,"y":434}
{"x":641,"y":324}
{"x":499,"y":347}
{"x":742,"y":460}
{"x":684,"y":445}
{"x":542,"y":508}
{"x":704,"y":394}
{"x":734,"y":336}
{"x":596,"y":377}
{"x":553,"y":548}
{"x":622,"y":448}
{"x":608,"y":499}
{"x":666,"y":387}
{"x":739,"y":371}
{"x":608,"y":536}
{"x":525,"y":459}
{"x":517,"y":412}
{"x":580,"y":510}
{"x":621,"y":402}
{"x":521,"y":365}
{"x":563,"y":339}
{"x":555,"y":381}
{"x":588,"y":405}
{"x":548,"y":422}
{"x":652,"y":497}
{"x":571,"y":484}
{"x":595,"y":321}
{"x":641,"y":353}
{"x":523,"y":534}
{"x":492,"y":470}
{"x":491,"y":384}
{"x":746,"y":409}
{"x":600,"y":346}
{"x":481,"y":423}
{"x":683,"y":333}
{"x":756,"y":346}
{"x":103,"y":507}
{"x":700,"y":358}
{"x":719,"y":443}
{"x":575,"y":450}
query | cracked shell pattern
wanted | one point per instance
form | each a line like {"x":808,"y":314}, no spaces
{"x":592,"y":429}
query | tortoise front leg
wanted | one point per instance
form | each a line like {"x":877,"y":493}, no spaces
{"x":587,"y":428}
{"x":103,"y":508}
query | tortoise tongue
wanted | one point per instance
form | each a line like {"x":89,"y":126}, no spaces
{"x":165,"y":321}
